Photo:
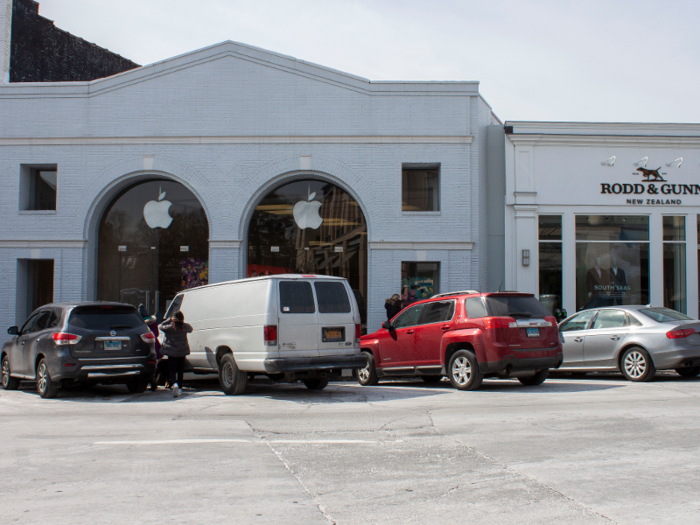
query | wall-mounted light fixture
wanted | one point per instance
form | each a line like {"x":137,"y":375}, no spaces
{"x":679,"y":160}
{"x":609,"y":162}
{"x":526,"y":257}
{"x":642,"y":160}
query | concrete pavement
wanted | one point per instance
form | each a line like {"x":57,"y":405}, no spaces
{"x":594,"y":450}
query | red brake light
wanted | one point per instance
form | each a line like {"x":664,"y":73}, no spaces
{"x":148,"y":338}
{"x":270,"y":335}
{"x":358,"y":332}
{"x":63,"y":338}
{"x":680,"y":333}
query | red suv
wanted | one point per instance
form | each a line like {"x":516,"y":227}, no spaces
{"x":466,"y":336}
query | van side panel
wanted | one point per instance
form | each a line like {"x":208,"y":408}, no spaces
{"x":233,"y":316}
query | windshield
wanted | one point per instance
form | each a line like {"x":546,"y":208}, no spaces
{"x":523,"y":306}
{"x":664,"y":315}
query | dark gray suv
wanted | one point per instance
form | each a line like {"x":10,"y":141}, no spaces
{"x":95,"y":342}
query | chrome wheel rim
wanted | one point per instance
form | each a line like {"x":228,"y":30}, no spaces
{"x":43,"y":377}
{"x":363,"y":373}
{"x":635,"y":364}
{"x":228,"y":374}
{"x":461,"y":370}
{"x":5,"y":372}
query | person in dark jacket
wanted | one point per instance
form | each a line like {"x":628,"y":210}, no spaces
{"x":176,"y":348}
{"x":392,"y":306}
{"x":152,"y":323}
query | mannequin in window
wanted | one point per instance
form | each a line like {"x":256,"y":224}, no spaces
{"x":618,"y":280}
{"x":597,"y":280}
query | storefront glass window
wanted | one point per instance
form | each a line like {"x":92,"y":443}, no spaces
{"x":310,"y":226}
{"x":674,"y":263}
{"x":612,"y":260}
{"x":419,"y":281}
{"x":550,"y":257}
{"x":153,"y":242}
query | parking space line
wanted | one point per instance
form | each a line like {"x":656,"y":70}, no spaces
{"x":172,"y":441}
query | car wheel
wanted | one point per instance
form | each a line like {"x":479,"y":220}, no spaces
{"x":8,"y":382}
{"x":683,"y":372}
{"x":636,"y":365}
{"x":431,"y":379}
{"x":537,"y":379}
{"x":138,"y":385}
{"x":231,"y":379}
{"x":316,"y":384}
{"x":47,"y":388}
{"x":464,"y":371}
{"x":367,"y":376}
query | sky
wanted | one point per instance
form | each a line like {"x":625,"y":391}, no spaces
{"x":606,"y":61}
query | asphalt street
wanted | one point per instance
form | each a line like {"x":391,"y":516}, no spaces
{"x":570,"y":451}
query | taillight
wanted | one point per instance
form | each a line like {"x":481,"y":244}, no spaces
{"x":63,"y":338}
{"x":148,"y":338}
{"x":499,"y":322}
{"x":551,"y":320}
{"x":358,"y":332}
{"x":680,"y":333}
{"x":270,"y":335}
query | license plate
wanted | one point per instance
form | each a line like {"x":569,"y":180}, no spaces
{"x":113,"y":345}
{"x":533,"y":332}
{"x":332,"y":335}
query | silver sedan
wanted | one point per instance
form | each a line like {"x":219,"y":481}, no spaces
{"x":635,"y":340}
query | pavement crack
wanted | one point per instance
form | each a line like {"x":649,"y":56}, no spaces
{"x":321,"y":509}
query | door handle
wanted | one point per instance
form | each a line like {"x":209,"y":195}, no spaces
{"x":24,"y":342}
{"x":410,"y":332}
{"x":445,"y":327}
{"x":578,"y":339}
{"x":615,"y":338}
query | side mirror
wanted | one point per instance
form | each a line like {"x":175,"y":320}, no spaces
{"x":13,"y":330}
{"x":387,"y":325}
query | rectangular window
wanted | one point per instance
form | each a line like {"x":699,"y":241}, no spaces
{"x":550,"y":257}
{"x":296,"y":297}
{"x":674,"y":263}
{"x":420,"y":187}
{"x":34,"y":285}
{"x":612,"y":260}
{"x":38,"y":187}
{"x":419,"y":281}
{"x":332,"y":298}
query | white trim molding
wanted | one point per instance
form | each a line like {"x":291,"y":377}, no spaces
{"x":400,"y":245}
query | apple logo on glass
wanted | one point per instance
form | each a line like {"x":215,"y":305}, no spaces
{"x":156,"y":212}
{"x":306,"y":213}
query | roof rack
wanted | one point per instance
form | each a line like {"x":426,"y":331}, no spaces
{"x":463,"y":292}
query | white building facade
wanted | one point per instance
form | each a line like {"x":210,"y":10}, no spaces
{"x":602,"y":214}
{"x":220,"y":145}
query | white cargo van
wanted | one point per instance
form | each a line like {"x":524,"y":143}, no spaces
{"x":288,"y":327}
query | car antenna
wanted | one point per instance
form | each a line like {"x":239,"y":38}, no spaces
{"x":499,"y":286}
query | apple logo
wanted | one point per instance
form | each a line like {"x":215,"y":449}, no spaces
{"x":306,"y":213}
{"x":156,"y":212}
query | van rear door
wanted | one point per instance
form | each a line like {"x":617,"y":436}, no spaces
{"x":297,"y":320}
{"x":336,"y":315}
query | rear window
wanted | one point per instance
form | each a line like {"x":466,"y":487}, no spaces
{"x":105,"y":318}
{"x":664,"y":315}
{"x":514,"y":306}
{"x":296,"y":297}
{"x":332,"y":298}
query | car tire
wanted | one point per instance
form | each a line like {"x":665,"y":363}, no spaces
{"x":431,"y":379}
{"x":537,"y":379}
{"x":693,"y":371}
{"x":367,"y":376}
{"x":464,"y":373}
{"x":8,"y":382}
{"x":231,"y":379}
{"x":636,"y":365}
{"x":47,"y":388}
{"x":138,"y":385}
{"x":316,"y":384}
